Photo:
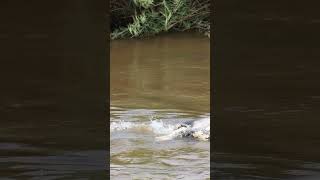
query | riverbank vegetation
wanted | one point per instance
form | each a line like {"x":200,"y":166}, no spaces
{"x":138,"y":18}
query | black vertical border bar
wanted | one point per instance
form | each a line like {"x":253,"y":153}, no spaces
{"x":107,"y":30}
{"x":14,"y":36}
{"x":212,"y":80}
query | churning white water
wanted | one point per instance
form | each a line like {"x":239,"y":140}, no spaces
{"x":159,"y":144}
{"x":197,"y":129}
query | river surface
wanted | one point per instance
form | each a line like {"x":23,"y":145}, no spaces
{"x":53,"y":91}
{"x":267,"y":98}
{"x":156,"y":84}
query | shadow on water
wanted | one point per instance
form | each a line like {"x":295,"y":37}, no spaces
{"x":267,"y":91}
{"x":52,"y":95}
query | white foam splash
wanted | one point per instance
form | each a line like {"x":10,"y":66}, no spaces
{"x":159,"y":127}
{"x":120,"y":126}
{"x":199,"y":129}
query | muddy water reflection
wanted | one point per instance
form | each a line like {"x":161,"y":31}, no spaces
{"x":156,"y":82}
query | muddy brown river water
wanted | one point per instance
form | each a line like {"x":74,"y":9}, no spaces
{"x":155,"y":84}
{"x":266,"y":95}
